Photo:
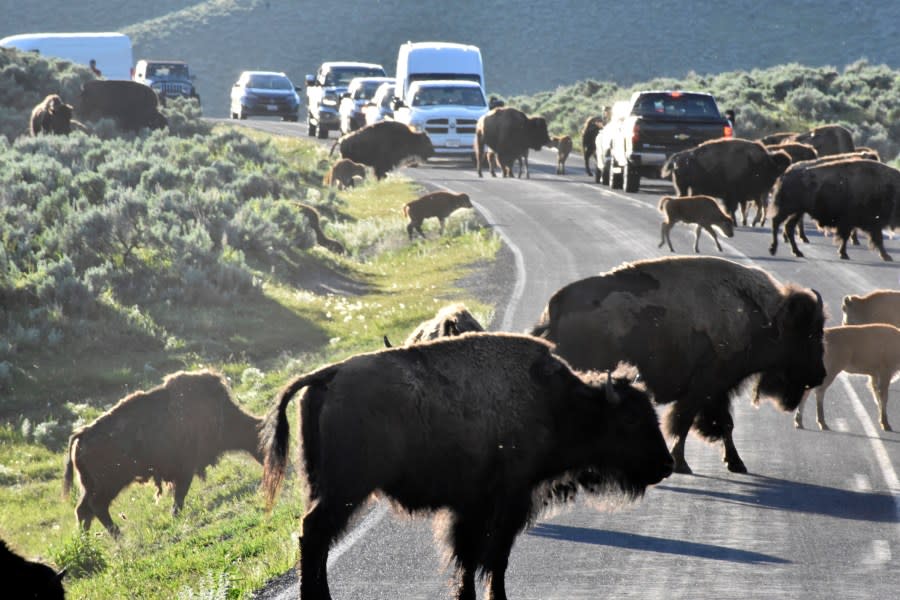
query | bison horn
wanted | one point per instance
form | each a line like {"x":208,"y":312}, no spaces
{"x":60,"y":575}
{"x":611,"y":396}
{"x":818,"y":298}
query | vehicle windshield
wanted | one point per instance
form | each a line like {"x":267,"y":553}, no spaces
{"x":269,"y":82}
{"x":171,"y":71}
{"x":343,"y":77}
{"x":366,"y":90}
{"x":442,"y":96}
{"x":677,"y":104}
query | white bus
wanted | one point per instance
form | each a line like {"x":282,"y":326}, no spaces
{"x":111,"y":51}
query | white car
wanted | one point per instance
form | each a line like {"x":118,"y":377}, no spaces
{"x":447,"y":110}
{"x":359,"y":92}
{"x":264,"y":94}
{"x":380,"y":107}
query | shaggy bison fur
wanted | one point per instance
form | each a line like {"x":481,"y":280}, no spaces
{"x":695,"y":328}
{"x":485,"y":427}
{"x":589,"y":131}
{"x":132,"y":105}
{"x":453,"y":319}
{"x":52,"y":115}
{"x":167,"y":434}
{"x":510,"y":133}
{"x":384,"y":145}
{"x":26,"y":580}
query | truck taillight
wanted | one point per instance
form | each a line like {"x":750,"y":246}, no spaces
{"x":635,"y":134}
{"x":728,"y":131}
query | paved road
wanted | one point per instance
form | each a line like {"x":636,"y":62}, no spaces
{"x":817,"y":517}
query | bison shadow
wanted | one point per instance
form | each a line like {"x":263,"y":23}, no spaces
{"x":760,"y":491}
{"x":633,"y":541}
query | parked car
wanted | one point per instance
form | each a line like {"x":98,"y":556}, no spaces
{"x":168,"y":78}
{"x":324,"y":91}
{"x":381,"y":106}
{"x":264,"y":93}
{"x":359,"y":92}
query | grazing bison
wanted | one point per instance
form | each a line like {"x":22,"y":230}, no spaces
{"x":342,"y":172}
{"x":843,"y":195}
{"x":733,"y":169}
{"x":438,"y":205}
{"x":131,"y":104}
{"x":51,"y":115}
{"x":695,"y":328}
{"x":589,"y":131}
{"x":384,"y":145}
{"x":872,"y":350}
{"x":453,"y":319}
{"x":488,"y":427}
{"x":510,"y":133}
{"x":880,"y":306}
{"x":26,"y":580}
{"x":702,"y":211}
{"x":168,"y":434}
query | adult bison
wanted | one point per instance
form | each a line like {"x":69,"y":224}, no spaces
{"x":384,"y":145}
{"x":843,"y":195}
{"x":132,"y":105}
{"x":696,"y":328}
{"x":589,"y":131}
{"x":168,"y":434}
{"x":51,"y":115}
{"x":25,"y":579}
{"x":510,"y":133}
{"x":489,"y":427}
{"x":827,"y":139}
{"x":733,"y":169}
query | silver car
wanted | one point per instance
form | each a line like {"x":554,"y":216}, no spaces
{"x":380,"y":107}
{"x":359,"y":92}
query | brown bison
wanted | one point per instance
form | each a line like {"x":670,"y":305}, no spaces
{"x":843,"y":195}
{"x":167,"y":434}
{"x":342,"y":173}
{"x":702,"y":211}
{"x":51,"y":115}
{"x":132,"y":105}
{"x":510,"y":133}
{"x":733,"y":169}
{"x":29,"y":580}
{"x":438,"y":205}
{"x":589,"y":131}
{"x":795,"y":150}
{"x":695,"y":328}
{"x":487,"y":427}
{"x":384,"y":145}
{"x":453,"y":319}
{"x":827,"y":139}
{"x":563,"y":145}
{"x":880,"y":306}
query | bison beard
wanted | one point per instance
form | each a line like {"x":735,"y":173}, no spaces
{"x":487,"y":428}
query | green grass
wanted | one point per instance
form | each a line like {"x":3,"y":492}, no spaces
{"x":224,"y":544}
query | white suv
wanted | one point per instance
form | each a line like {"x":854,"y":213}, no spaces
{"x":447,"y":110}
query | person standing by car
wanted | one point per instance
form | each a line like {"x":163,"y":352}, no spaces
{"x":93,"y":65}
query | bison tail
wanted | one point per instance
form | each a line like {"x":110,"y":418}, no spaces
{"x":668,"y":167}
{"x":333,"y":146}
{"x":662,"y":202}
{"x":70,"y":470}
{"x":275,"y":431}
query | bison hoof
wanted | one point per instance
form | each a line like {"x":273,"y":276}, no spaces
{"x":798,"y":424}
{"x":737,"y":466}
{"x":798,"y":254}
{"x":772,"y":250}
{"x":886,"y":426}
{"x":823,"y":426}
{"x":682,"y":467}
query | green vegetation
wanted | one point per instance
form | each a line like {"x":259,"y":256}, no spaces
{"x":124,"y":258}
{"x":864,"y":98}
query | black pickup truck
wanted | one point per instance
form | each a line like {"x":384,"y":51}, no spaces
{"x":646,"y":130}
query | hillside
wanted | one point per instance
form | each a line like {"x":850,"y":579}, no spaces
{"x":525,"y":51}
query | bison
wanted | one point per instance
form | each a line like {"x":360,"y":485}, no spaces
{"x":451,"y":320}
{"x":438,"y":205}
{"x":384,"y":145}
{"x":168,"y":434}
{"x":488,"y":427}
{"x":52,"y":115}
{"x":702,"y":211}
{"x":795,"y":150}
{"x":589,"y":131}
{"x":510,"y":133}
{"x":880,"y":306}
{"x":733,"y":169}
{"x":827,"y":139}
{"x":26,"y":579}
{"x":872,"y":350}
{"x":132,"y":105}
{"x":343,"y":172}
{"x":563,"y":145}
{"x":844,"y":195}
{"x":695,"y":328}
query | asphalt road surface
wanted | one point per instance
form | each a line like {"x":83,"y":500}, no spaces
{"x":818,"y":516}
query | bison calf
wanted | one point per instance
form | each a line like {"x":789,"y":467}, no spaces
{"x":489,"y":427}
{"x":454,"y":319}
{"x":880,"y":306}
{"x":872,"y":350}
{"x":52,"y":115}
{"x":26,"y":579}
{"x":563,"y":145}
{"x":342,"y":172}
{"x":168,"y":434}
{"x":436,"y":204}
{"x":703,"y":211}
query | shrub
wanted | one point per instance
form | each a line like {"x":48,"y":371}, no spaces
{"x":80,"y":555}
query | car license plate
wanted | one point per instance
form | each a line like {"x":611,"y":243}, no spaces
{"x":273,"y":107}
{"x":452,"y":143}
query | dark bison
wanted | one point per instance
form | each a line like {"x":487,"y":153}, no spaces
{"x":453,"y":319}
{"x":489,"y":427}
{"x":384,"y":145}
{"x":52,"y":115}
{"x":167,"y":434}
{"x":589,"y":131}
{"x":843,"y":195}
{"x":510,"y":133}
{"x":827,"y":139}
{"x":695,"y":328}
{"x":736,"y":170}
{"x":26,"y":580}
{"x":132,"y":105}
{"x":795,"y":150}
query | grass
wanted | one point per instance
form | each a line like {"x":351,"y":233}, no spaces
{"x":224,"y":544}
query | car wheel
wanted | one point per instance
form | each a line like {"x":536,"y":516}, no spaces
{"x":310,"y":128}
{"x":615,"y":178}
{"x":632,"y":179}
{"x":605,"y":173}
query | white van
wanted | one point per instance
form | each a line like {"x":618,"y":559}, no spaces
{"x":420,"y":61}
{"x":111,"y":51}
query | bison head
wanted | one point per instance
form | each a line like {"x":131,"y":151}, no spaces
{"x":538,"y":137}
{"x":799,"y":329}
{"x":421,"y":146}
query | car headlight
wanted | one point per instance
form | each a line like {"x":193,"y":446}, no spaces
{"x":330,"y":101}
{"x":417,"y":126}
